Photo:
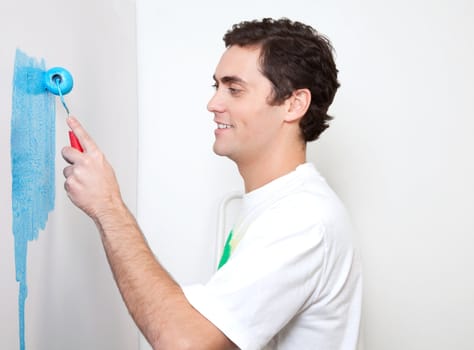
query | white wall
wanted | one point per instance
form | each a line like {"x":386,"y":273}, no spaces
{"x":398,"y":152}
{"x":73,"y":302}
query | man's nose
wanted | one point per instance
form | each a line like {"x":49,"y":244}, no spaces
{"x":215,"y":104}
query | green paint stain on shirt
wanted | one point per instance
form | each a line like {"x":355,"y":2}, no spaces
{"x":227,"y":250}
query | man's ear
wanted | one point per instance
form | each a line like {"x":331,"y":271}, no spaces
{"x":299,"y":102}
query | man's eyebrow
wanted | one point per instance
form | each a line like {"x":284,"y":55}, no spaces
{"x":229,"y":79}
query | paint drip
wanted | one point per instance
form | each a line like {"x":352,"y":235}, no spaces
{"x":32,"y":161}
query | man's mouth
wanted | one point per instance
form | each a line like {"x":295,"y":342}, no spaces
{"x":223,"y":126}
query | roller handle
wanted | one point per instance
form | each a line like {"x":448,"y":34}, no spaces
{"x":75,"y":142}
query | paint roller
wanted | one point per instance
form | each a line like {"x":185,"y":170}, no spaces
{"x":59,"y":82}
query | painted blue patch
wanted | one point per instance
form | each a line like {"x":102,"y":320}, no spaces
{"x":32,"y":158}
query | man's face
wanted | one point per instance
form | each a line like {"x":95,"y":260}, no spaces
{"x":247,"y":126}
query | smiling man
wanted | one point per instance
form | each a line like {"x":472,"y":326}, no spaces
{"x":262,"y":138}
{"x":290,"y":278}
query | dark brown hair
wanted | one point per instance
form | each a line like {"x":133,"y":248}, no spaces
{"x":293,"y":56}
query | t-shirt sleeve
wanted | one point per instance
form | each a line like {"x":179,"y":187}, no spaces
{"x":269,"y":278}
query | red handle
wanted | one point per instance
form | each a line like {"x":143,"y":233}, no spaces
{"x":75,"y":142}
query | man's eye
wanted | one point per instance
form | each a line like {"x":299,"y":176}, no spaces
{"x":215,"y":86}
{"x":234,"y":91}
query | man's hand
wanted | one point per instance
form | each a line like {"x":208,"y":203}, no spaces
{"x":90,"y":180}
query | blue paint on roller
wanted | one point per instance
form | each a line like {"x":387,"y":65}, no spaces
{"x":58,"y":81}
{"x":32,"y":159}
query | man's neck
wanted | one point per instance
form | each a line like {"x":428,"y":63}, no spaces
{"x":258,"y":173}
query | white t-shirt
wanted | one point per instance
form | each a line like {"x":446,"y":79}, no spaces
{"x":293,"y":280}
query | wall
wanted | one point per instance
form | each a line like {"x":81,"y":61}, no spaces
{"x":73,"y":302}
{"x":398,"y":151}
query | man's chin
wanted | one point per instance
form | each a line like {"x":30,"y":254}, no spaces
{"x":218,"y":151}
{"x":221,"y":152}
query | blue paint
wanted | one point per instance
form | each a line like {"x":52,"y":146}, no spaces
{"x":58,"y":81}
{"x":32,"y":158}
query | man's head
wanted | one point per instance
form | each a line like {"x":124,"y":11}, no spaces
{"x":293,"y":56}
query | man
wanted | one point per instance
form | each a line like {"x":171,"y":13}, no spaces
{"x":289,"y":278}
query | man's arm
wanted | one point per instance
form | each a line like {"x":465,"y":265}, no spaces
{"x":153,"y":298}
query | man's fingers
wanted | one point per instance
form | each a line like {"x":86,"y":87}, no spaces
{"x":67,"y":171}
{"x":84,"y":139}
{"x":71,"y":155}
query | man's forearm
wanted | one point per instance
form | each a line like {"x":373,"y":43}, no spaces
{"x":146,"y":287}
{"x":155,"y":301}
